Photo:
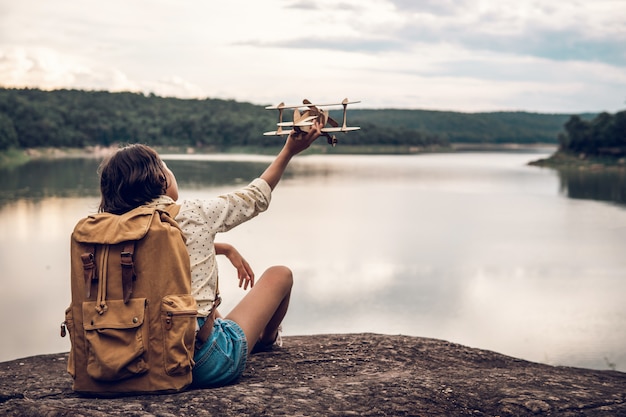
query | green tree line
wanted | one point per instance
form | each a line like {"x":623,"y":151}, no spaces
{"x":74,"y":118}
{"x":605,"y":135}
{"x":490,"y":127}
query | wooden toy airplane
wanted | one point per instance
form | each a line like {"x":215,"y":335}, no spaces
{"x":302,"y":121}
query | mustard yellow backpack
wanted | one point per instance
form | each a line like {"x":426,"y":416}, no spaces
{"x":132,"y":318}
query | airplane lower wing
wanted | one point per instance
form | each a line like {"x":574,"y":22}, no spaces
{"x":324,"y":130}
{"x":339,"y":129}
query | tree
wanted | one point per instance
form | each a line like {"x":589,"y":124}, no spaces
{"x":605,"y":135}
{"x":578,"y":134}
{"x":8,"y":135}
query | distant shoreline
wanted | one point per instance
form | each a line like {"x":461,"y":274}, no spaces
{"x":564,"y":160}
{"x":16,"y":157}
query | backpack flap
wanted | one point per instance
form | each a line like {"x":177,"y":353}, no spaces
{"x":107,"y":228}
{"x":111,"y":229}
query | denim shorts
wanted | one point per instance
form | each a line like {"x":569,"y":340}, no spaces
{"x":222,"y":358}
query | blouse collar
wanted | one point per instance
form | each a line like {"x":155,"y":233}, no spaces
{"x":161,"y":202}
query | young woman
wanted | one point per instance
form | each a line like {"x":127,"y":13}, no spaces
{"x":135,"y":175}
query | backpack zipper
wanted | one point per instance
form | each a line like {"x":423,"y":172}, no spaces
{"x":170,"y":316}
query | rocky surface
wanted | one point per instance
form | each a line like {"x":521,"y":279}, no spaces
{"x":342,"y":375}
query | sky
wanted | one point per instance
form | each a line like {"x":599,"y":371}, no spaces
{"x":564,"y":56}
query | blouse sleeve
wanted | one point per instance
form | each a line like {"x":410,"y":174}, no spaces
{"x":226,"y":211}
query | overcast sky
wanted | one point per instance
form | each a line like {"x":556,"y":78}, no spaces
{"x":562,"y":56}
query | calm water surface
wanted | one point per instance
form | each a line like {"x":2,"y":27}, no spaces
{"x":474,"y":248}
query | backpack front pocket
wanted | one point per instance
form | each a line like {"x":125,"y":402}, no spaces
{"x":116,"y":339}
{"x":178,"y":318}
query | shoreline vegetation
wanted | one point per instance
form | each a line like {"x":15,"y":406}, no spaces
{"x":558,"y":160}
{"x":15,"y":156}
{"x":76,"y":123}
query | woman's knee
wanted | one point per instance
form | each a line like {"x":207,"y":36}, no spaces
{"x":280,"y":274}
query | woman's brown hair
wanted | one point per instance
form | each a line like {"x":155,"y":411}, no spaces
{"x":131,"y":177}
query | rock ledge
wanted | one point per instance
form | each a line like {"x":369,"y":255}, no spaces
{"x":340,"y":375}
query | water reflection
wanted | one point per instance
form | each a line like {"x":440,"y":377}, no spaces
{"x":609,"y":185}
{"x":200,"y":172}
{"x":77,"y":177}
{"x":479,"y":249}
{"x":41,"y":178}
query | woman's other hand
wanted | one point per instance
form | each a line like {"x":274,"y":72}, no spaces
{"x":244,"y":271}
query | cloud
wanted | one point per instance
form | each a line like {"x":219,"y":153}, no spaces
{"x":336,"y":44}
{"x":572,"y":46}
{"x":525,"y":27}
{"x":434,"y":7}
{"x":302,"y":5}
{"x":460,"y":55}
{"x":563,"y":45}
{"x":49,"y":69}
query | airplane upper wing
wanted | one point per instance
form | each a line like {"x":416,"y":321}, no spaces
{"x":298,"y":106}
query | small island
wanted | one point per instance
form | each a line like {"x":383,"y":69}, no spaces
{"x":598,"y":144}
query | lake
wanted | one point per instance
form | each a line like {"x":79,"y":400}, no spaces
{"x":476,"y":248}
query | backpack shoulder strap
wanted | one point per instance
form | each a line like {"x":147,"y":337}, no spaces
{"x":89,"y":268}
{"x":173,"y":210}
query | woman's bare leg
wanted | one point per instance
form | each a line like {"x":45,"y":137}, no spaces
{"x":262,"y":310}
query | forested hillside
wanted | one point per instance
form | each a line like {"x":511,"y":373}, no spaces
{"x":73,"y":118}
{"x":496,"y":127}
